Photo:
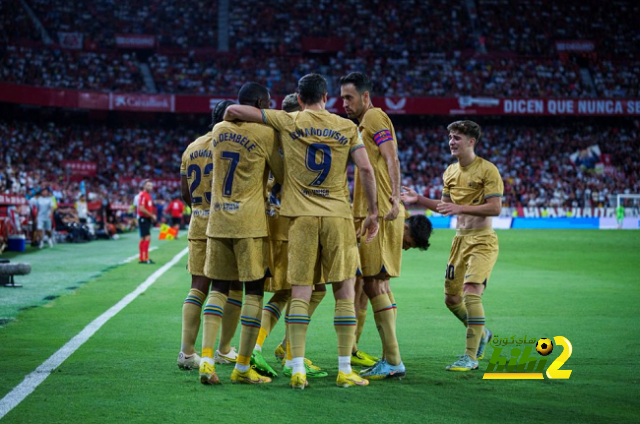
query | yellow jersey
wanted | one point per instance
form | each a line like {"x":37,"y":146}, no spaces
{"x":241,"y":152}
{"x":316,"y":146}
{"x":376,"y":129}
{"x":471,"y":185}
{"x":197,"y":166}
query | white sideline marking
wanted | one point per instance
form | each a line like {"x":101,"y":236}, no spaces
{"x":33,"y":380}
{"x":134,"y":257}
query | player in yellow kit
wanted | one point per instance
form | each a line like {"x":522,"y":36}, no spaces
{"x":278,"y":284}
{"x":317,"y":146}
{"x":195,"y":173}
{"x":237,"y":230}
{"x":473,"y":191}
{"x":381,"y":259}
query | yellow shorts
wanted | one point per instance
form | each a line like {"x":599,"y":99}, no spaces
{"x":384,"y":253}
{"x":473,"y":255}
{"x":236,"y":259}
{"x":197,"y":257}
{"x":330,"y":241}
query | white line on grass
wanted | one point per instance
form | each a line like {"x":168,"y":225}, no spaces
{"x":134,"y":257}
{"x":33,"y":380}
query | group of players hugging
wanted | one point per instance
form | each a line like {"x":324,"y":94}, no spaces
{"x":293,"y":163}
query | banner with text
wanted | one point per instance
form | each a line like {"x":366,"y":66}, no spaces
{"x":135,"y":41}
{"x":466,"y":105}
{"x":81,"y":168}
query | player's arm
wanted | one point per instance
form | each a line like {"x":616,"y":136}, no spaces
{"x":243,"y":113}
{"x":492,"y":207}
{"x":276,"y":162}
{"x":390,"y":156}
{"x":184,"y":190}
{"x":368,"y":179}
{"x":410,"y":196}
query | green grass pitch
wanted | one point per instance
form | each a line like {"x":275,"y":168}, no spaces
{"x":582,"y":285}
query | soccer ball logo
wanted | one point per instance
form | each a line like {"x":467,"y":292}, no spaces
{"x":544,"y":346}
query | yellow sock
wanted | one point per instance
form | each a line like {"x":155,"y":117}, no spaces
{"x":393,"y":304}
{"x":213,"y":311}
{"x":191,"y":311}
{"x":316,"y":298}
{"x":475,"y":323}
{"x":361,"y":317}
{"x":344,"y":322}
{"x":271,"y":314}
{"x":460,"y":311}
{"x":298,"y":322}
{"x":383,"y":313}
{"x":230,"y":320}
{"x":250,"y":319}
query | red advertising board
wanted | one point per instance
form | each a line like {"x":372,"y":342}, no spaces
{"x":466,"y":105}
{"x":12,"y":200}
{"x":135,"y":41}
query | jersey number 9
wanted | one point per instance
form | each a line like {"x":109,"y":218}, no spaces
{"x":323,"y":167}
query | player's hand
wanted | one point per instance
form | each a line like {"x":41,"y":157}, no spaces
{"x":370,"y":227}
{"x":395,"y":209}
{"x":448,"y":209}
{"x":408,"y":196}
{"x":154,"y":218}
{"x":358,"y":224}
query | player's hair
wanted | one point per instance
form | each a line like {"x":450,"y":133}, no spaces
{"x":311,"y":88}
{"x":290,"y":103}
{"x":251,"y":93}
{"x":218,"y":112}
{"x":420,"y":230}
{"x":468,"y":128}
{"x":146,"y":180}
{"x":359,"y":80}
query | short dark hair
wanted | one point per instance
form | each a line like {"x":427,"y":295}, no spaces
{"x":217,"y":115}
{"x":290,"y":103}
{"x":420,"y":230}
{"x":146,"y":180}
{"x":311,"y":88}
{"x":468,"y":128}
{"x":251,"y":93}
{"x":359,"y":81}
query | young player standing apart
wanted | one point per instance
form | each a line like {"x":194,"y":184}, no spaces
{"x":381,"y":259}
{"x":473,"y":191}
{"x":145,"y":219}
{"x":317,"y":145}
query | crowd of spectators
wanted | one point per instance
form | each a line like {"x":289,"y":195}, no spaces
{"x":175,"y":24}
{"x":15,"y":24}
{"x":71,"y":69}
{"x":619,"y":79}
{"x":535,"y":162}
{"x":532,"y":27}
{"x":32,"y":156}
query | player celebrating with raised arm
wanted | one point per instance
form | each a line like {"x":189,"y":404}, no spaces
{"x":473,"y":191}
{"x":382,"y":257}
{"x":317,"y":145}
{"x":196,"y":172}
{"x":278,"y":284}
{"x":237,"y":230}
